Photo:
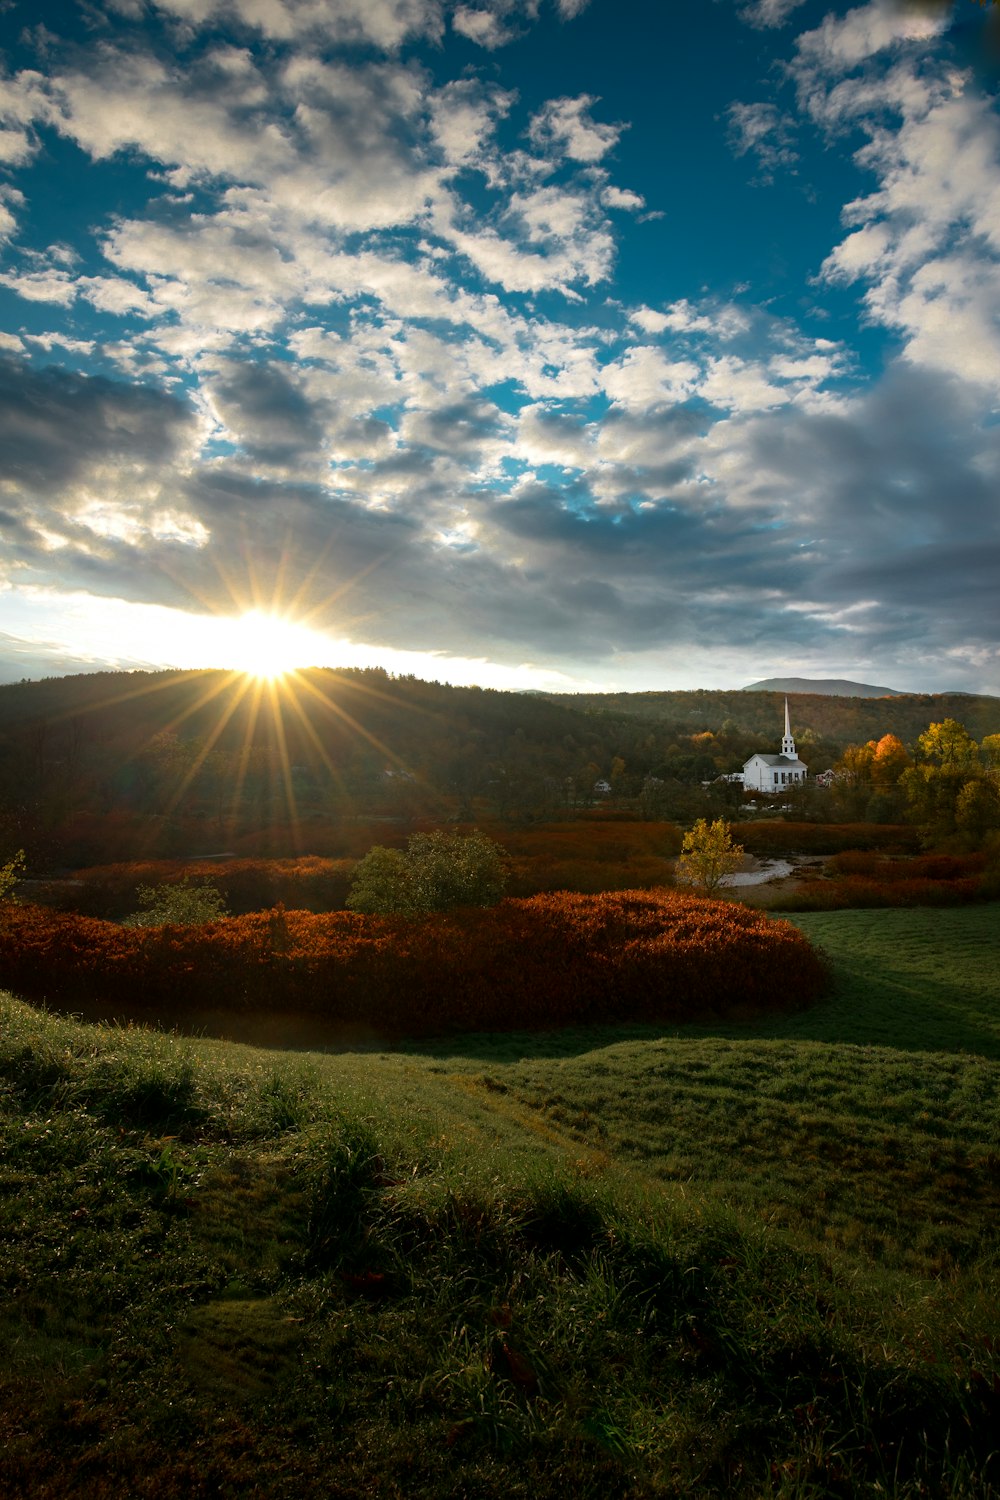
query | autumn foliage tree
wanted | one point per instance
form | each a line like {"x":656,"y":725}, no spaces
{"x":708,"y":855}
{"x":10,"y":874}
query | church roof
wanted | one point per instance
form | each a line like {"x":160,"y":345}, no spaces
{"x":776,"y":760}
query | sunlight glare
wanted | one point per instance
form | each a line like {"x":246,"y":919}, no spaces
{"x":268,"y":646}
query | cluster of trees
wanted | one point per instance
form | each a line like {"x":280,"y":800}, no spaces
{"x":949,"y":786}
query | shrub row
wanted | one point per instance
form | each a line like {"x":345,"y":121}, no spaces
{"x":550,"y":960}
{"x":309,"y":883}
{"x":924,"y":867}
{"x":770,"y":836}
{"x":861,"y":891}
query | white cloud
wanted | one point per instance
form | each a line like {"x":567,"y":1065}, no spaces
{"x":649,"y":320}
{"x":564,"y":127}
{"x":49,"y":341}
{"x":49,"y":285}
{"x":644,"y":377}
{"x":8,"y":223}
{"x":463,"y":118}
{"x":114,"y":294}
{"x":928,"y":241}
{"x":840,"y":43}
{"x":622,"y":198}
{"x":484,"y":27}
{"x":763,"y":131}
{"x":385,"y":23}
{"x":769,"y":13}
{"x":741,"y":386}
{"x":22,"y":102}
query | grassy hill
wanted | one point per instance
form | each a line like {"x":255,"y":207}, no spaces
{"x":713,"y":1261}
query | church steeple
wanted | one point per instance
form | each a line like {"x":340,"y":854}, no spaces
{"x":787,"y":743}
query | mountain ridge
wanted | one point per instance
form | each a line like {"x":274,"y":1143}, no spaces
{"x":825,"y":687}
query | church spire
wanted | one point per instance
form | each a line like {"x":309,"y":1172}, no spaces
{"x":788,"y":744}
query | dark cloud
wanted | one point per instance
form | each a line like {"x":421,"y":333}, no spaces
{"x":267,"y":413}
{"x":54,"y":424}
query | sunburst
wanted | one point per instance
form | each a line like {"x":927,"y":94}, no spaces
{"x":269,"y":646}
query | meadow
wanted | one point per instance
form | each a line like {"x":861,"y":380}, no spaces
{"x":715,"y":1259}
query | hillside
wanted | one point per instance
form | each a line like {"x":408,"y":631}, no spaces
{"x":633,"y":1263}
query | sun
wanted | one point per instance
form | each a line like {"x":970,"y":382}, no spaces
{"x":269,"y":646}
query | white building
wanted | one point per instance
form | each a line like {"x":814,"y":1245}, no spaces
{"x":775,"y":773}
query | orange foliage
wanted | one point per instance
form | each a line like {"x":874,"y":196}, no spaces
{"x":862,"y":878}
{"x":926,"y":867}
{"x":550,"y":960}
{"x":859,"y":891}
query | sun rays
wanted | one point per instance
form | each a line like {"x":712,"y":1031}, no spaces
{"x":268,"y":646}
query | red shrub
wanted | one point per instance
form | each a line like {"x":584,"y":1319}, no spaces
{"x":770,"y":836}
{"x":548,"y":960}
{"x":925,"y":867}
{"x":861,"y":891}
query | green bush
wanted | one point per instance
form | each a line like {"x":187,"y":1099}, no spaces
{"x":180,"y":905}
{"x":435,"y":872}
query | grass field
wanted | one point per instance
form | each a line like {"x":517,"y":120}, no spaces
{"x":726,"y":1261}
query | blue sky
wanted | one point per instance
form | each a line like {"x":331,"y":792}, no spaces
{"x":536,"y":343}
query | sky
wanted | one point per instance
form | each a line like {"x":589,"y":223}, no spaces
{"x":554,"y":344}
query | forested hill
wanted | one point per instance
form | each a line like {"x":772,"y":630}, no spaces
{"x":840,"y":719}
{"x":92,"y":767}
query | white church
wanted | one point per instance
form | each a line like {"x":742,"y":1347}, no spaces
{"x":775,"y":773}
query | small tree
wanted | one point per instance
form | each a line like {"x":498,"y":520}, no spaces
{"x":10,"y":874}
{"x":180,"y":905}
{"x":708,"y":855}
{"x":436,"y":871}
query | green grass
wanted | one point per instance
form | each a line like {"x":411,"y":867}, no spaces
{"x":757,"y":1261}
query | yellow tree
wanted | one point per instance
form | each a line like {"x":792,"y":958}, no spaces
{"x":708,"y":855}
{"x":949,"y":744}
{"x":10,"y":874}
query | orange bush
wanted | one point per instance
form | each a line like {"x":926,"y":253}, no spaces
{"x":549,"y":960}
{"x":861,"y":891}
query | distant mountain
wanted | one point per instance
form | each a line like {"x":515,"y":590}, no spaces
{"x":826,"y":687}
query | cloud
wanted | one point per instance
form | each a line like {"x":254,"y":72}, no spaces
{"x":769,"y":13}
{"x":564,"y":127}
{"x":56,"y":424}
{"x":386,"y":24}
{"x":484,"y":27}
{"x":840,"y":43}
{"x":347,"y":375}
{"x":761,"y":130}
{"x":926,"y":242}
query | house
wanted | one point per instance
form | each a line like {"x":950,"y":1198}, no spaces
{"x":775,"y":773}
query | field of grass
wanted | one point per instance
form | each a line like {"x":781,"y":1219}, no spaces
{"x":633,"y":1262}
